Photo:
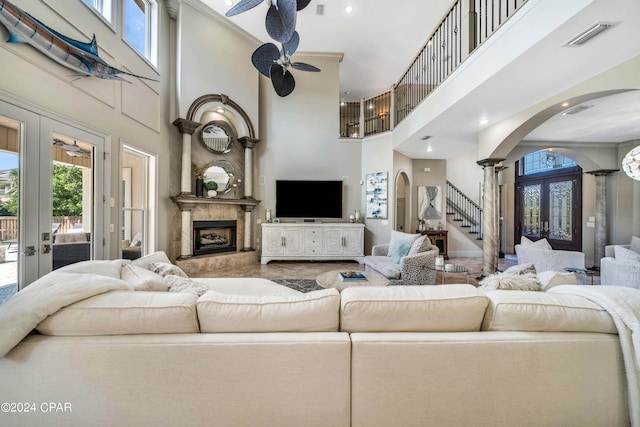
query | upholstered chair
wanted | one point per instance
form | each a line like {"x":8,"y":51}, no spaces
{"x":409,"y":269}
{"x":543,"y":258}
{"x":620,"y":266}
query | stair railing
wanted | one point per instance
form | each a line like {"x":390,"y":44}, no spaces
{"x":464,"y":210}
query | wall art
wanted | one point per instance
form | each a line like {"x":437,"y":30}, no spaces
{"x":376,"y":193}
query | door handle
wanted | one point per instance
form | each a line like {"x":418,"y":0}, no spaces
{"x":546,"y":226}
{"x":29,"y":251}
{"x":46,"y":249}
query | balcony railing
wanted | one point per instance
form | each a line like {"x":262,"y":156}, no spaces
{"x":466,"y":25}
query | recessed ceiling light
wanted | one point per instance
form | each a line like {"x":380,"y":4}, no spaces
{"x":220,"y":110}
{"x":565,"y":104}
{"x":342,"y":103}
{"x":370,"y":106}
{"x":348,"y":9}
{"x":229,"y":2}
{"x":483,"y":121}
{"x":429,"y":149}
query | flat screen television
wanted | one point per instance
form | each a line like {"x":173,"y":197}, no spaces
{"x":308,"y":199}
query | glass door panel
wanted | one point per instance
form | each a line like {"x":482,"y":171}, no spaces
{"x":560,"y":224}
{"x":531,"y":201}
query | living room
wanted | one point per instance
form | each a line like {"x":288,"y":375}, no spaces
{"x":228,"y":346}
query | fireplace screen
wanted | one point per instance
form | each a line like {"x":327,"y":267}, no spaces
{"x":211,"y":237}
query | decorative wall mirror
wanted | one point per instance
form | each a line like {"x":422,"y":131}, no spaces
{"x":222,"y":173}
{"x":217,"y":136}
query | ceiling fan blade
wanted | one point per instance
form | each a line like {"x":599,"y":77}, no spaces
{"x":292,"y":45}
{"x":264,"y":57}
{"x":302,"y":4}
{"x":282,"y":80}
{"x":243,"y":6}
{"x":304,"y":67}
{"x":281,"y":20}
{"x":67,"y":147}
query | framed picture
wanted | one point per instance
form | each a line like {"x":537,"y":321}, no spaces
{"x":429,"y":202}
{"x":376,"y":193}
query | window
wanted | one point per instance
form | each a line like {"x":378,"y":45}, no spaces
{"x":544,"y":161}
{"x":103,"y":7}
{"x":140,"y":27}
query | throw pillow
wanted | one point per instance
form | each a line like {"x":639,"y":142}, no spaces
{"x":513,"y":282}
{"x":541,"y":244}
{"x":421,"y":244}
{"x":521,"y":269}
{"x":142,"y":279}
{"x":626,"y":255}
{"x":397,"y":237}
{"x":184,"y":284}
{"x":400,"y":250}
{"x":164,"y":269}
{"x":635,"y":244}
{"x":549,"y":279}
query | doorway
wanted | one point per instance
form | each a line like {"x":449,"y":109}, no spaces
{"x":53,"y":207}
{"x":549,"y":200}
{"x":403,"y":208}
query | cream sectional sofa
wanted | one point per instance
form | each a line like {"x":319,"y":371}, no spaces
{"x":250,"y":352}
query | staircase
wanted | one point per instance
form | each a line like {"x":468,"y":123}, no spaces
{"x":464,"y":214}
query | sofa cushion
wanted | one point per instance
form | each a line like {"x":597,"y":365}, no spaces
{"x":514,"y":282}
{"x":167,"y":269}
{"x":544,"y":312}
{"x":521,"y":269}
{"x":142,"y":279}
{"x":549,"y":279}
{"x":399,"y":238}
{"x":314,"y":311}
{"x":246,"y":286}
{"x":421,"y":244}
{"x":626,"y":255}
{"x":450,"y":308}
{"x":399,"y":251}
{"x":145,"y":261}
{"x":124,"y":313}
{"x":384,"y":266}
{"x":542,"y":244}
{"x":109,"y":268}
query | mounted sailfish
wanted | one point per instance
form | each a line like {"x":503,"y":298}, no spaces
{"x":78,"y":56}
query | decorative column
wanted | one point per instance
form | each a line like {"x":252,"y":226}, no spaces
{"x":248,"y":143}
{"x":187,"y":128}
{"x":600,"y":238}
{"x":489,"y":216}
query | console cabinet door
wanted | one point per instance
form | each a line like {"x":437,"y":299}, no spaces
{"x":272,"y":241}
{"x":353,"y":241}
{"x":293,"y":241}
{"x":333,"y":241}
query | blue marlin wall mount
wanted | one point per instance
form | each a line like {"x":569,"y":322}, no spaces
{"x":75,"y":55}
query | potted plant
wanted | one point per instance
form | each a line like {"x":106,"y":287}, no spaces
{"x":211,"y":186}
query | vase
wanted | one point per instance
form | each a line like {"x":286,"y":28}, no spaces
{"x":212,"y":193}
{"x":199,"y":188}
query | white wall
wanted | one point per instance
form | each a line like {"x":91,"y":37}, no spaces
{"x":135,"y":112}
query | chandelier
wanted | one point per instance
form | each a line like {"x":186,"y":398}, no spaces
{"x":631,"y":163}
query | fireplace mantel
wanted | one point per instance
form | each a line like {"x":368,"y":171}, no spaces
{"x":187,"y":202}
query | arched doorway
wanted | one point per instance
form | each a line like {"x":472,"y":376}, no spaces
{"x":403,"y":202}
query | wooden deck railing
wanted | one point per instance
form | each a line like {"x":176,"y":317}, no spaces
{"x":9,"y":225}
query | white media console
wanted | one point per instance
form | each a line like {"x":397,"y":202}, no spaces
{"x":312,"y":241}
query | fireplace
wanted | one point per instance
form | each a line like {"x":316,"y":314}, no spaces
{"x":213,"y":237}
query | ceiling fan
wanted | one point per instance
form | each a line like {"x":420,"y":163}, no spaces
{"x":72,"y":150}
{"x":281,"y":16}
{"x":274,"y":63}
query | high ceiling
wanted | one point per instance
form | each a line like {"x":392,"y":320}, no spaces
{"x":379,"y":39}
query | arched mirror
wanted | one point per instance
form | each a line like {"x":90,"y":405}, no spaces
{"x":222,"y":173}
{"x":217,"y":137}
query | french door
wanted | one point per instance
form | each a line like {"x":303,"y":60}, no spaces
{"x":548,"y":206}
{"x":59,"y":209}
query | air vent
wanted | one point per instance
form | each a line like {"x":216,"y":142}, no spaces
{"x":320,"y":9}
{"x":576,"y":110}
{"x":424,"y":138}
{"x":589,"y":33}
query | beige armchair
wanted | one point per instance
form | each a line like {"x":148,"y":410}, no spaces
{"x":411,"y":270}
{"x":616,"y":272}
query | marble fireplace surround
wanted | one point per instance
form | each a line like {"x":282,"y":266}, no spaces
{"x":225,"y":207}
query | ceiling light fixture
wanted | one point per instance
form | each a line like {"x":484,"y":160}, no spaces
{"x":348,"y":9}
{"x":589,"y":33}
{"x":483,"y":121}
{"x":229,"y":2}
{"x":631,"y":163}
{"x":429,"y":149}
{"x":220,"y":110}
{"x":564,"y":104}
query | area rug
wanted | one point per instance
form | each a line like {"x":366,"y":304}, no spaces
{"x":302,"y":285}
{"x":7,"y":292}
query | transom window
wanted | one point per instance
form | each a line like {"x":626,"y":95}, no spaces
{"x":544,"y":161}
{"x":141,"y":28}
{"x":103,"y":7}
